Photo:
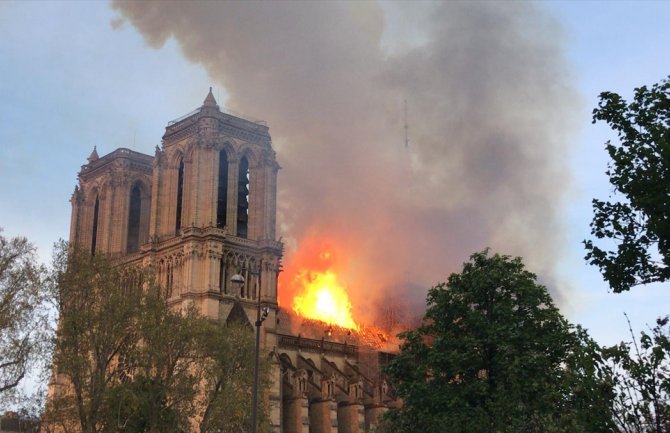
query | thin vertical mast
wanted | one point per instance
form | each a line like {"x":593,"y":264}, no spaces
{"x":406,"y":127}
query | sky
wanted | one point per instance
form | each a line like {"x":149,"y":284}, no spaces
{"x":80,"y":74}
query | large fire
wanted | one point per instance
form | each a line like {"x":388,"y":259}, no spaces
{"x":323,"y":298}
{"x":315,"y":287}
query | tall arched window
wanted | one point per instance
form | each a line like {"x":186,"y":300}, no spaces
{"x":243,"y":199}
{"x":180,"y":193}
{"x":222,"y":191}
{"x":94,"y":237}
{"x":134,"y":214}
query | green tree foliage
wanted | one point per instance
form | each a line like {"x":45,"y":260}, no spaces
{"x":641,"y":378}
{"x":159,"y":373}
{"x":639,"y":222}
{"x":226,"y":401}
{"x":96,"y":328}
{"x":23,"y":312}
{"x":125,"y":361}
{"x":494,"y":355}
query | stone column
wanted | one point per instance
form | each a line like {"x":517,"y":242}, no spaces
{"x":85,"y":221}
{"x":213,"y":186}
{"x":254,"y":185}
{"x":75,"y":200}
{"x":351,"y":417}
{"x":231,"y":214}
{"x":372,"y":415}
{"x":274,"y":394}
{"x":156,"y":199}
{"x":376,"y":407}
{"x":121,"y":205}
{"x":106,"y":218}
{"x":295,"y":413}
{"x":189,"y":191}
{"x":322,"y":416}
{"x":271,"y":201}
{"x":323,"y":409}
{"x":196,"y":204}
{"x":168,"y":210}
{"x":351,"y":414}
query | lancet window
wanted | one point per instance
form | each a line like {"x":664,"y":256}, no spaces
{"x":243,"y":199}
{"x":180,"y":193}
{"x":222,"y":191}
{"x":94,"y":235}
{"x":134,"y":217}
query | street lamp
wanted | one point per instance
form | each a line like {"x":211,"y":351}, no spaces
{"x":237,"y":280}
{"x":261,"y":314}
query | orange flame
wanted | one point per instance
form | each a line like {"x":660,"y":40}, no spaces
{"x":313,"y":282}
{"x":324,"y":298}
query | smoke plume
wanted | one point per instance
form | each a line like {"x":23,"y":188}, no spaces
{"x":489,"y":107}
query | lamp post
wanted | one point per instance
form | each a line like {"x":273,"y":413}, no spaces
{"x":261,"y":315}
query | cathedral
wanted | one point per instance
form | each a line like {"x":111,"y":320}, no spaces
{"x":202,"y":213}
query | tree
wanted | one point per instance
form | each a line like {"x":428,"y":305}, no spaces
{"x":98,"y":314}
{"x":126,"y":361}
{"x":23,"y":313}
{"x":189,"y":372}
{"x":161,"y":371}
{"x":226,"y":399}
{"x":641,"y":378}
{"x":494,"y":355}
{"x":638,"y":223}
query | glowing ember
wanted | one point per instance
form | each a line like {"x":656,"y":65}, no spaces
{"x":324,"y":298}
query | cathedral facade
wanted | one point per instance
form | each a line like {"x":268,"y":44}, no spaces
{"x":202,"y":211}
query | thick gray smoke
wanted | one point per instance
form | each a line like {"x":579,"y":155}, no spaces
{"x":489,"y":109}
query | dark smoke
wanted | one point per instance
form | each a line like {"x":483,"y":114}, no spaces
{"x":490,"y":105}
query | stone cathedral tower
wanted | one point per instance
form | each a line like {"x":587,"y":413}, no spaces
{"x":201,"y":210}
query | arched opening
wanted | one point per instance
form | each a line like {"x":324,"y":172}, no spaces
{"x":222,"y":191}
{"x":243,"y":199}
{"x":94,"y":236}
{"x":134,"y":219}
{"x":238,"y":317}
{"x":180,"y":193}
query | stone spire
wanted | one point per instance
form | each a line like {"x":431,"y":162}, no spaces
{"x":93,"y":156}
{"x":209,"y":100}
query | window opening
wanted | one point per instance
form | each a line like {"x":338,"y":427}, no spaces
{"x":222,"y":195}
{"x":243,"y":199}
{"x":134,"y":213}
{"x":94,"y":241}
{"x":180,"y":193}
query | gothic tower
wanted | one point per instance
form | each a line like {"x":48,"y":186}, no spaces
{"x":200,"y":211}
